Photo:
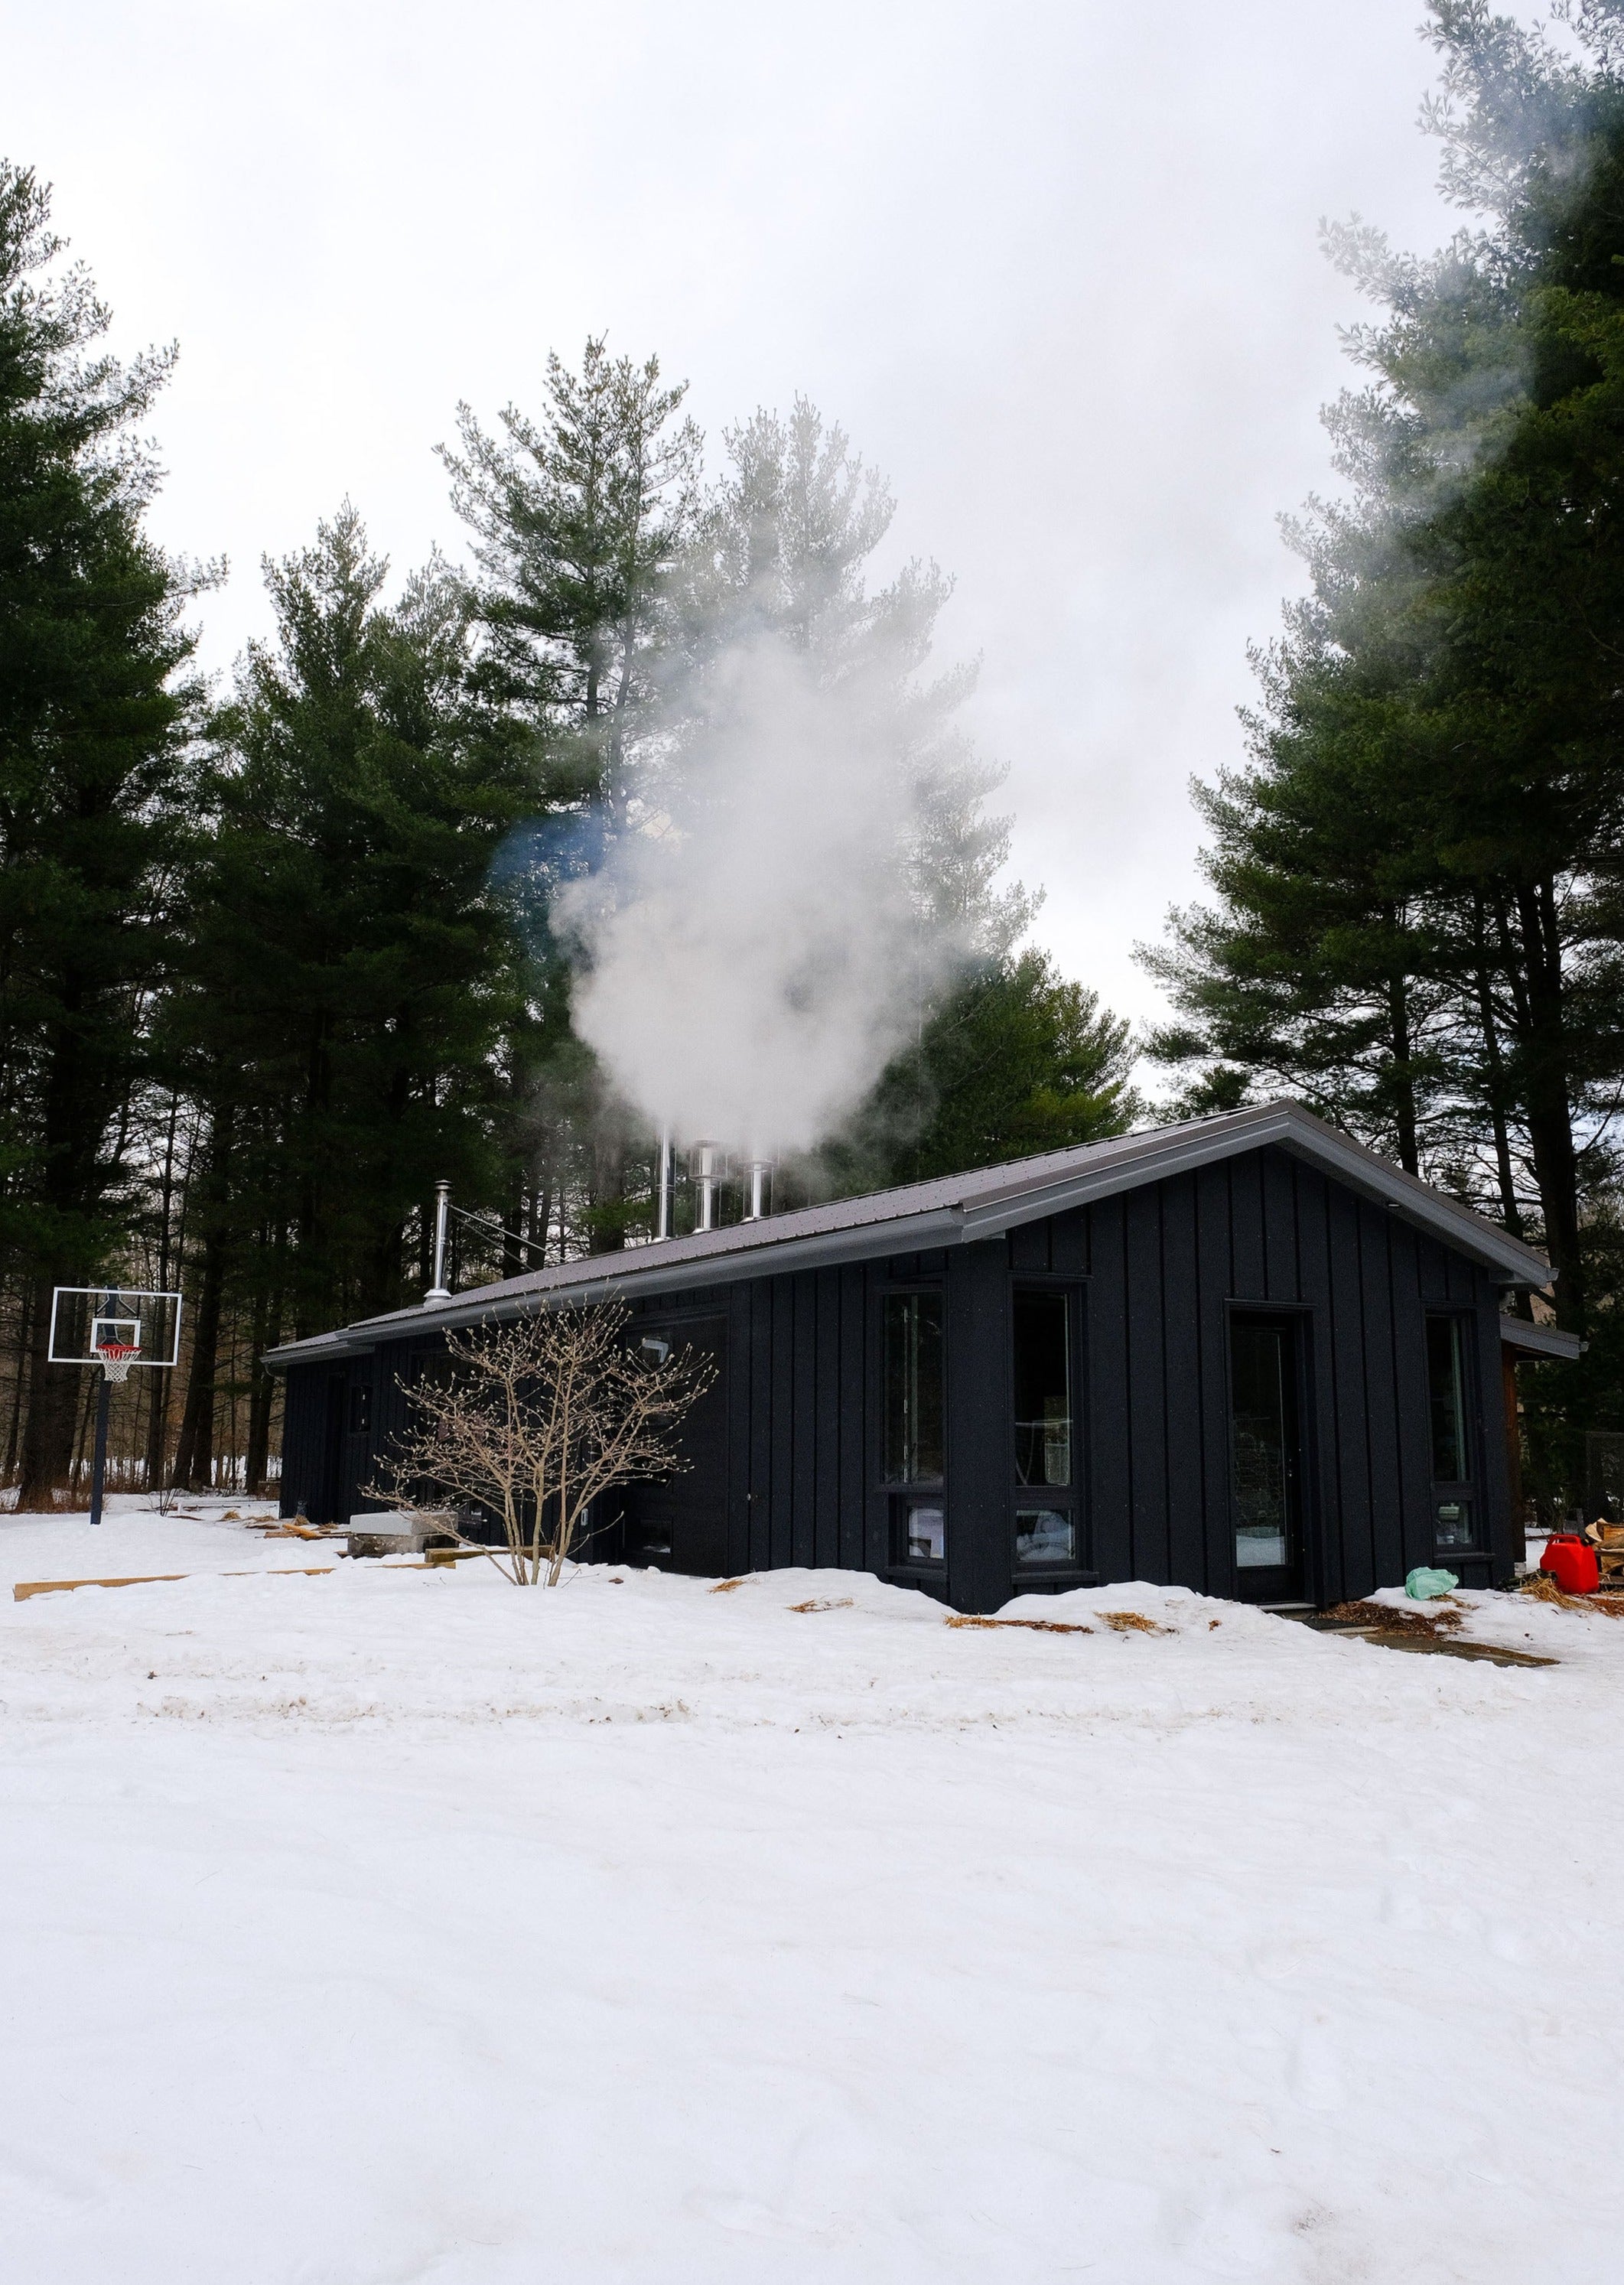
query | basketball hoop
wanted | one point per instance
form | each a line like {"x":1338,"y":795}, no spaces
{"x":113,"y":1328}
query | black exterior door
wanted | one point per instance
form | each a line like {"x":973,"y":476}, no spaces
{"x":1266,"y":1459}
{"x":681,"y":1524}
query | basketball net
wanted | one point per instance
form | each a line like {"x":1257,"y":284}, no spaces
{"x":117,"y":1359}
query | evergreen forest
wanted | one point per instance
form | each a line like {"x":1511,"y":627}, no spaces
{"x":276,"y":958}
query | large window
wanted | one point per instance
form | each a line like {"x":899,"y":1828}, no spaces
{"x":1044,"y":1515}
{"x":916,"y":1458}
{"x":1042,"y":1389}
{"x":914,"y":1388}
{"x":1454,"y":1523}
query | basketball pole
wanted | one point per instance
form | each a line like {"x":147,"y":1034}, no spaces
{"x":98,"y":1473}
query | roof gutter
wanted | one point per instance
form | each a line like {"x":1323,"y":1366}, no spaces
{"x":1529,"y":1339}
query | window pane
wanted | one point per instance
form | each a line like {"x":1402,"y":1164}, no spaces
{"x":1042,"y":1389}
{"x":1446,"y":1380}
{"x":1453,"y":1524}
{"x":1259,"y":1363}
{"x":1043,"y":1535}
{"x":927,"y":1534}
{"x":912,"y":1388}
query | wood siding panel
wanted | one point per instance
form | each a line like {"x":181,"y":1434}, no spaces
{"x":781,"y":1499}
{"x":1212,"y":1323}
{"x":1110,"y":1489}
{"x":1281,"y":1279}
{"x":825,"y":1485}
{"x":1411,"y":1421}
{"x":804,"y":1459}
{"x":980,"y":1470}
{"x":853,"y":1416}
{"x":304,"y":1423}
{"x":761,"y":1424}
{"x":1247,"y":1261}
{"x":1346,"y":1313}
{"x":1382,"y":1440}
{"x":1323,"y":1485}
{"x":1187,"y":1529}
{"x":1069,"y":1244}
{"x":1147,"y":1382}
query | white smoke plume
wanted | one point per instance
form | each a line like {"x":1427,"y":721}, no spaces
{"x":753,"y":957}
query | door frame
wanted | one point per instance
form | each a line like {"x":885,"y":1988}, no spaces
{"x":1296,"y":1318}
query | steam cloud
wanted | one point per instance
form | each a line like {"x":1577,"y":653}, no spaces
{"x":753,"y":957}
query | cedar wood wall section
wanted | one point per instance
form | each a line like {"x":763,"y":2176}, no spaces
{"x":1159,"y":1268}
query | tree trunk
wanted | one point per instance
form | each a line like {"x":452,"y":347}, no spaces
{"x":194,"y":1454}
{"x":158,"y":1400}
{"x":266,"y":1333}
{"x":20,"y":1388}
{"x":1403,"y":1081}
{"x":609,"y":1194}
{"x":53,"y":1409}
{"x":1548,"y":1101}
{"x":1511,"y":1212}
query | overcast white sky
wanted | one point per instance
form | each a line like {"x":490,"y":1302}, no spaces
{"x":1052,"y":262}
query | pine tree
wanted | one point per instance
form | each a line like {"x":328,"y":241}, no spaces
{"x":1435,"y":797}
{"x":353,"y":978}
{"x":783,"y":551}
{"x":1018,"y":1060}
{"x":579,"y":517}
{"x":93,"y":722}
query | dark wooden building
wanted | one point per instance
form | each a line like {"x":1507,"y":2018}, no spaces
{"x":1244,"y":1355}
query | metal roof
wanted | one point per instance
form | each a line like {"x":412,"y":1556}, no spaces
{"x":952,"y":1210}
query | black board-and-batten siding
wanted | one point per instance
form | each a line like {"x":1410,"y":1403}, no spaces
{"x":789,"y":1463}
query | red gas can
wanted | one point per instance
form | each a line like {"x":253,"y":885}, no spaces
{"x":1572,"y":1564}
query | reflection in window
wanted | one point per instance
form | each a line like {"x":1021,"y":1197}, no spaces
{"x":1446,"y":1366}
{"x":1042,"y":1389}
{"x":1044,"y":1535}
{"x":1259,"y":1365}
{"x":1453,"y":1524}
{"x":912,"y":1388}
{"x":927,"y":1534}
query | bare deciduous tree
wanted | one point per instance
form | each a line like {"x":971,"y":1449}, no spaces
{"x":536,"y":1420}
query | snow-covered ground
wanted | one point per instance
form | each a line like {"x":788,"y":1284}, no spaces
{"x":396,"y":1925}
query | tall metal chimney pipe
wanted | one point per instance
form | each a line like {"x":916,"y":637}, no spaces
{"x":760,"y":1168}
{"x":439,"y":1290}
{"x":663,"y":1190}
{"x":705,"y":1154}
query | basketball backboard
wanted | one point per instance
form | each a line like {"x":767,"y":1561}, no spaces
{"x":91,"y":1323}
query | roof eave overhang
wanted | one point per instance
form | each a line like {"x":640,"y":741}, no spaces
{"x":1539,"y":1341}
{"x":632,"y":1278}
{"x":1305,"y":1137}
{"x":1157,"y":1158}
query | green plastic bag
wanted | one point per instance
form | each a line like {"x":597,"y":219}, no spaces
{"x":1422,"y":1582}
